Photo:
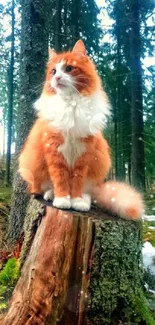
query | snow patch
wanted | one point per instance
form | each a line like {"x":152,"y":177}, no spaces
{"x":149,"y":218}
{"x":148,"y":252}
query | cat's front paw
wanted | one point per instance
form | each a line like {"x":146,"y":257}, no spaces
{"x":48,"y":195}
{"x":82,"y":203}
{"x":62,"y":202}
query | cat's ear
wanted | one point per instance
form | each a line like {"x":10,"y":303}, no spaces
{"x":51,"y":53}
{"x":79,"y":48}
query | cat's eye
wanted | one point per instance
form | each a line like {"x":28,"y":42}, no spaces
{"x":53,"y":72}
{"x":69,"y":68}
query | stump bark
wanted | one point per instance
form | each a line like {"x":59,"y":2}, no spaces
{"x":81,"y":269}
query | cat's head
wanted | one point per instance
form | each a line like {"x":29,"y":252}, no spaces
{"x":71,"y":72}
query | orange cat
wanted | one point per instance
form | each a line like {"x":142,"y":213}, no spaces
{"x":65,"y":157}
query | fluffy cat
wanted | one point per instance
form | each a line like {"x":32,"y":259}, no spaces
{"x":65,"y":157}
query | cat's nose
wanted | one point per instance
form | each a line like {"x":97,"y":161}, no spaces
{"x":57,"y":78}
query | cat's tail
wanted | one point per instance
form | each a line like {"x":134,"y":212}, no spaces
{"x":120,"y":199}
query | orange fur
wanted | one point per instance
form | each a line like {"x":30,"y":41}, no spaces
{"x":120,"y":199}
{"x":42,"y":165}
{"x":84,"y":71}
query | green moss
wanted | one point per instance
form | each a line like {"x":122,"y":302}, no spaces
{"x":151,"y":302}
{"x":142,"y":311}
{"x":8,"y":278}
{"x":116,"y":279}
{"x":5,"y":195}
{"x":149,"y":234}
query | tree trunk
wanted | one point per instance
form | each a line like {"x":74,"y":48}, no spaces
{"x":65,"y":10}
{"x":115,"y":133}
{"x":4,"y":136}
{"x":82,"y":269}
{"x":10,"y":95}
{"x":118,"y":100}
{"x":58,"y":24}
{"x":34,"y":48}
{"x":137,"y":155}
{"x":75,"y":20}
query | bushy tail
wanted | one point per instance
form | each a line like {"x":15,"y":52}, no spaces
{"x":120,"y":199}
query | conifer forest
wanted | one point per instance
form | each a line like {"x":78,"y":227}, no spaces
{"x":119,"y":36}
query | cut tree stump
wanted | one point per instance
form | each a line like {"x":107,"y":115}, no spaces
{"x":81,"y":269}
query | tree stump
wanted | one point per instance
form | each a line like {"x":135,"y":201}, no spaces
{"x":81,"y":269}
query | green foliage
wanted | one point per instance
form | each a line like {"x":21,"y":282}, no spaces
{"x":10,"y":272}
{"x":114,"y":66}
{"x":149,"y":100}
{"x":141,"y":308}
{"x":151,"y":301}
{"x":5,"y":43}
{"x":5,"y":195}
{"x":149,"y":233}
{"x":8,"y":278}
{"x":149,"y":200}
{"x":108,"y":44}
{"x":75,"y":23}
{"x":142,"y":314}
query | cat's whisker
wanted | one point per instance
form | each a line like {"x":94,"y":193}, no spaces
{"x":37,"y":88}
{"x":36,"y":91}
{"x":81,"y":83}
{"x":71,"y":85}
{"x":41,"y":84}
{"x":82,"y":76}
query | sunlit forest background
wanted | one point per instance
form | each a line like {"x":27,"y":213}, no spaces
{"x":120,"y":38}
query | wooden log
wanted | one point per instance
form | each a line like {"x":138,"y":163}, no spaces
{"x":82,"y":269}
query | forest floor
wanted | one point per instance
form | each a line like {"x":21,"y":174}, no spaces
{"x":5,"y":200}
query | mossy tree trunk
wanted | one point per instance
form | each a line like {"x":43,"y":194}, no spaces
{"x":81,"y":269}
{"x":34,"y":48}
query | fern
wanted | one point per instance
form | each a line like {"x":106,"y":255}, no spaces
{"x":8,"y":278}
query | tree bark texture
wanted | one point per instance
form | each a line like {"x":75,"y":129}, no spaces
{"x":137,"y":154}
{"x":58,"y":25}
{"x":81,"y":269}
{"x":75,"y":24}
{"x":34,"y":48}
{"x":10,"y":97}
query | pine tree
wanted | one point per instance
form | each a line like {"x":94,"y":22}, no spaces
{"x":10,"y":95}
{"x":137,"y":155}
{"x":9,"y":78}
{"x":34,"y":47}
{"x":123,"y":78}
{"x":58,"y":25}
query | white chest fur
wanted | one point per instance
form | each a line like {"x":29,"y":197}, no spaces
{"x":78,"y":115}
{"x":72,"y":148}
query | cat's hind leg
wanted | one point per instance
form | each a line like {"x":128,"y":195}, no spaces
{"x":82,"y":203}
{"x":48,"y":191}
